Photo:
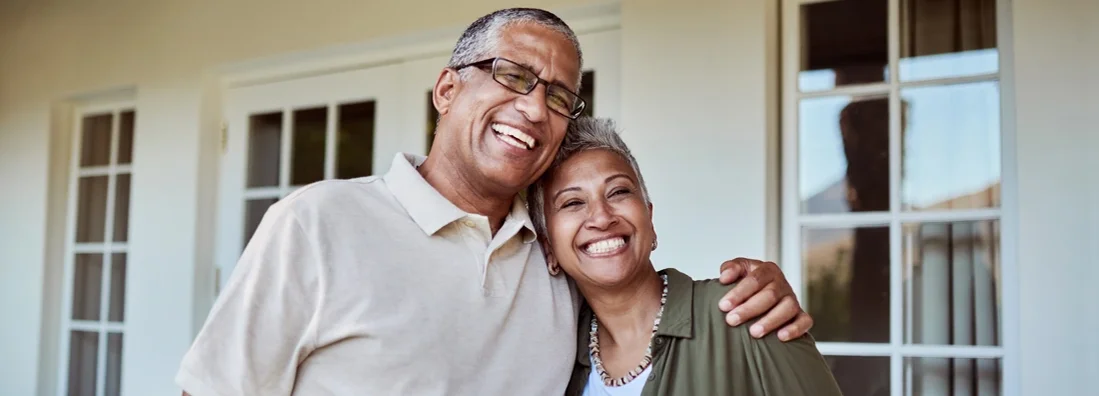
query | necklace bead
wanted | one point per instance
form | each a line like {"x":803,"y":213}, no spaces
{"x":593,"y":346}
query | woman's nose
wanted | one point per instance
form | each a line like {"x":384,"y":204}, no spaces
{"x":601,"y":216}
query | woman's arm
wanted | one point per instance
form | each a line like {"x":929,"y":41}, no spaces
{"x":792,"y":368}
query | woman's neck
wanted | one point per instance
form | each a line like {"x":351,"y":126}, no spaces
{"x":626,"y":312}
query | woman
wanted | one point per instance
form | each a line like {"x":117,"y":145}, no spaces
{"x":644,"y":331}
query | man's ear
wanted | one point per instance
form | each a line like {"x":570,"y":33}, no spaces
{"x":446,"y":88}
{"x":551,"y":260}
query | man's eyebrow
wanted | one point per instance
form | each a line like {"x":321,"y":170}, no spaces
{"x":557,"y":82}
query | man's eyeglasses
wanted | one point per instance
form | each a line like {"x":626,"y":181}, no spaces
{"x":520,"y":79}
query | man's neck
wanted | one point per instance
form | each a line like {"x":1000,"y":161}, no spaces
{"x":467,"y":196}
{"x":627,"y":312}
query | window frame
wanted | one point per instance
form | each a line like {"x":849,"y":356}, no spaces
{"x":792,"y":219}
{"x":103,"y":327}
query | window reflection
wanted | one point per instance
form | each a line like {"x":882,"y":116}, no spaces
{"x":843,"y":43}
{"x":952,"y":376}
{"x":951,"y":147}
{"x":847,"y":283}
{"x":843,"y":144}
{"x":941,"y":39}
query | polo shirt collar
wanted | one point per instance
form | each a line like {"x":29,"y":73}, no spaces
{"x":430,"y":209}
{"x":676,"y":321}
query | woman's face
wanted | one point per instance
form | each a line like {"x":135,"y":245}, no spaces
{"x":600,"y":228}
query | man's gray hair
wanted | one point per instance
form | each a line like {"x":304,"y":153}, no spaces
{"x":583,"y":134}
{"x":480,"y":39}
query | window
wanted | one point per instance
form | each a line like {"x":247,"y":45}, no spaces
{"x":892,"y":174}
{"x":95,"y":263}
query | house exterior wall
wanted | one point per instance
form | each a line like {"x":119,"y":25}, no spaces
{"x":721,"y":114}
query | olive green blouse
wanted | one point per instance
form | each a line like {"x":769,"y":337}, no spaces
{"x":696,"y":353}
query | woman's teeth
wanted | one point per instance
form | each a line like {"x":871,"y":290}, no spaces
{"x":606,"y":245}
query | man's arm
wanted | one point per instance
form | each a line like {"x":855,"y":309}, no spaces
{"x":263,"y":321}
{"x":762,"y":289}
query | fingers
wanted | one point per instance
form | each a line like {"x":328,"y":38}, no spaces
{"x":751,"y":284}
{"x":786,"y":310}
{"x":758,"y":303}
{"x":797,"y":328}
{"x":732,"y":270}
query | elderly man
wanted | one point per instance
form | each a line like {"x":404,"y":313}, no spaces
{"x":427,"y":280}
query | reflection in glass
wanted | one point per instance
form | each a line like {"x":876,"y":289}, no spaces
{"x":587,"y":92}
{"x":951,"y":147}
{"x":861,"y":375}
{"x":952,"y":283}
{"x":843,"y":158}
{"x":355,"y":130}
{"x":264,"y":148}
{"x":121,"y":208}
{"x":91,"y":211}
{"x":836,"y":50}
{"x":942,"y":39}
{"x":114,"y":364}
{"x":952,"y":376}
{"x":117,"y":309}
{"x":847,"y":283}
{"x":83,"y":361}
{"x":254,"y":209}
{"x":432,"y":121}
{"x":307,"y":153}
{"x":87,"y":284}
{"x":126,"y":137}
{"x":95,"y":146}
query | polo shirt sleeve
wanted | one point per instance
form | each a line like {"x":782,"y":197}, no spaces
{"x":265,"y":320}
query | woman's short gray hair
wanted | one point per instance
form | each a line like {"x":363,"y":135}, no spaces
{"x":583,"y":134}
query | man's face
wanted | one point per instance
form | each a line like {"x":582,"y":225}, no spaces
{"x":507,"y":139}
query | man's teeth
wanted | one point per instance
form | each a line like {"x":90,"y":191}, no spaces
{"x":521,"y":140}
{"x":606,"y":245}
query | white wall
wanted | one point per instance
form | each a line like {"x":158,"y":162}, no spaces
{"x":1057,"y":116}
{"x":716,"y":115}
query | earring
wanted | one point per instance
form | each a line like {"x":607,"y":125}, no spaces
{"x":554,"y":269}
{"x":654,"y":244}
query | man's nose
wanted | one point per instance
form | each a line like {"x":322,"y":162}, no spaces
{"x":533,"y":104}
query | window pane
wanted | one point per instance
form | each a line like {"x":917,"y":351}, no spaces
{"x":307,"y":159}
{"x":264,"y":148}
{"x":356,"y":140}
{"x":114,"y":364}
{"x":953,"y":377}
{"x":122,"y":208}
{"x":253,"y":213}
{"x":83,"y":361}
{"x":432,"y":121}
{"x":587,"y":92}
{"x":843,"y":43}
{"x":861,"y":375}
{"x":91,"y":209}
{"x":87,"y":286}
{"x":941,"y":39}
{"x":126,"y":138}
{"x":847,"y":283}
{"x":951,"y":150}
{"x":95,"y":146}
{"x":117,"y":310}
{"x":843,"y":163}
{"x":952,"y":291}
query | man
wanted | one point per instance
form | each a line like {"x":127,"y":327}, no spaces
{"x":427,"y":280}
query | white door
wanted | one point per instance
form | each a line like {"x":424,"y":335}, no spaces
{"x":286,"y":134}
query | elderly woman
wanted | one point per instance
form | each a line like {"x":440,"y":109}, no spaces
{"x":644,"y":331}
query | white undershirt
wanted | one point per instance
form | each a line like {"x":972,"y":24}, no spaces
{"x":595,"y":386}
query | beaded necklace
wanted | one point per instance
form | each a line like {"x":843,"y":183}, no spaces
{"x":593,"y":347}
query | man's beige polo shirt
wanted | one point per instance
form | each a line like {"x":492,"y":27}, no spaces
{"x":381,"y":286}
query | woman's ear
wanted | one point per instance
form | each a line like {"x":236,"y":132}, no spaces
{"x":551,"y":261}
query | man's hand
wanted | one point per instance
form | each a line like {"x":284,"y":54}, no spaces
{"x":762,"y":289}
